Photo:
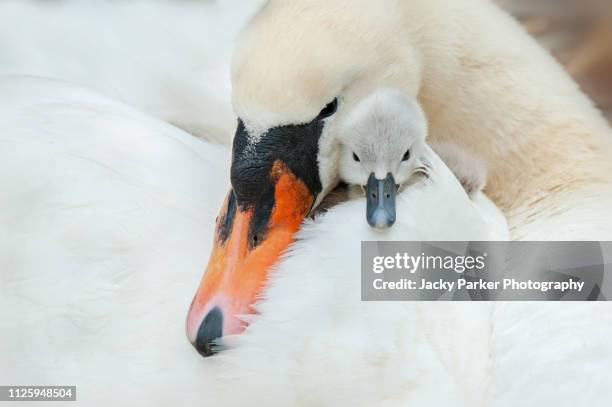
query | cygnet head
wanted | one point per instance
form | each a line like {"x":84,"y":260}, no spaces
{"x":382,"y":143}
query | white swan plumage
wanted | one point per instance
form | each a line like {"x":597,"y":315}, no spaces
{"x":105,"y":216}
{"x":112,"y":210}
{"x":104,"y":195}
{"x":100,"y":223}
{"x":102,"y":321}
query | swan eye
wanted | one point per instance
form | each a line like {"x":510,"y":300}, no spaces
{"x":406,"y":156}
{"x":329,"y":110}
{"x":355,"y":157}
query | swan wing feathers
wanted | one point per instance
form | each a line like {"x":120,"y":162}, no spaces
{"x":107,"y":218}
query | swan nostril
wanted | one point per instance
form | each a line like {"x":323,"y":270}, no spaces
{"x":256,"y":239}
{"x":374,"y":195}
{"x":209,"y":332}
{"x":388,"y":196}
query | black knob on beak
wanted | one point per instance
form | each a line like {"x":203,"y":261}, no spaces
{"x":209,"y":332}
{"x":380,"y":196}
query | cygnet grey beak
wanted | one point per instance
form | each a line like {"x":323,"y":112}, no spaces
{"x":380,"y":197}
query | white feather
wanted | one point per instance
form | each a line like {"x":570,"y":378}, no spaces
{"x":106,"y":219}
{"x":109,"y":216}
{"x":168,"y":58}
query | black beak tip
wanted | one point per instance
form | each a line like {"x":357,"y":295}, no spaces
{"x":209,"y":333}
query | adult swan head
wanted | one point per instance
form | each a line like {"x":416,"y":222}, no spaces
{"x":302,"y":65}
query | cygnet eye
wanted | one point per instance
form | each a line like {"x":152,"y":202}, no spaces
{"x":406,"y":156}
{"x":355,"y":157}
{"x":329,"y":110}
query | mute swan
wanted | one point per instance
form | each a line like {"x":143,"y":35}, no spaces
{"x":566,"y":345}
{"x":545,"y":147}
{"x":383,"y":147}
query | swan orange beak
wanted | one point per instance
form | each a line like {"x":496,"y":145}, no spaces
{"x":248,"y":242}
